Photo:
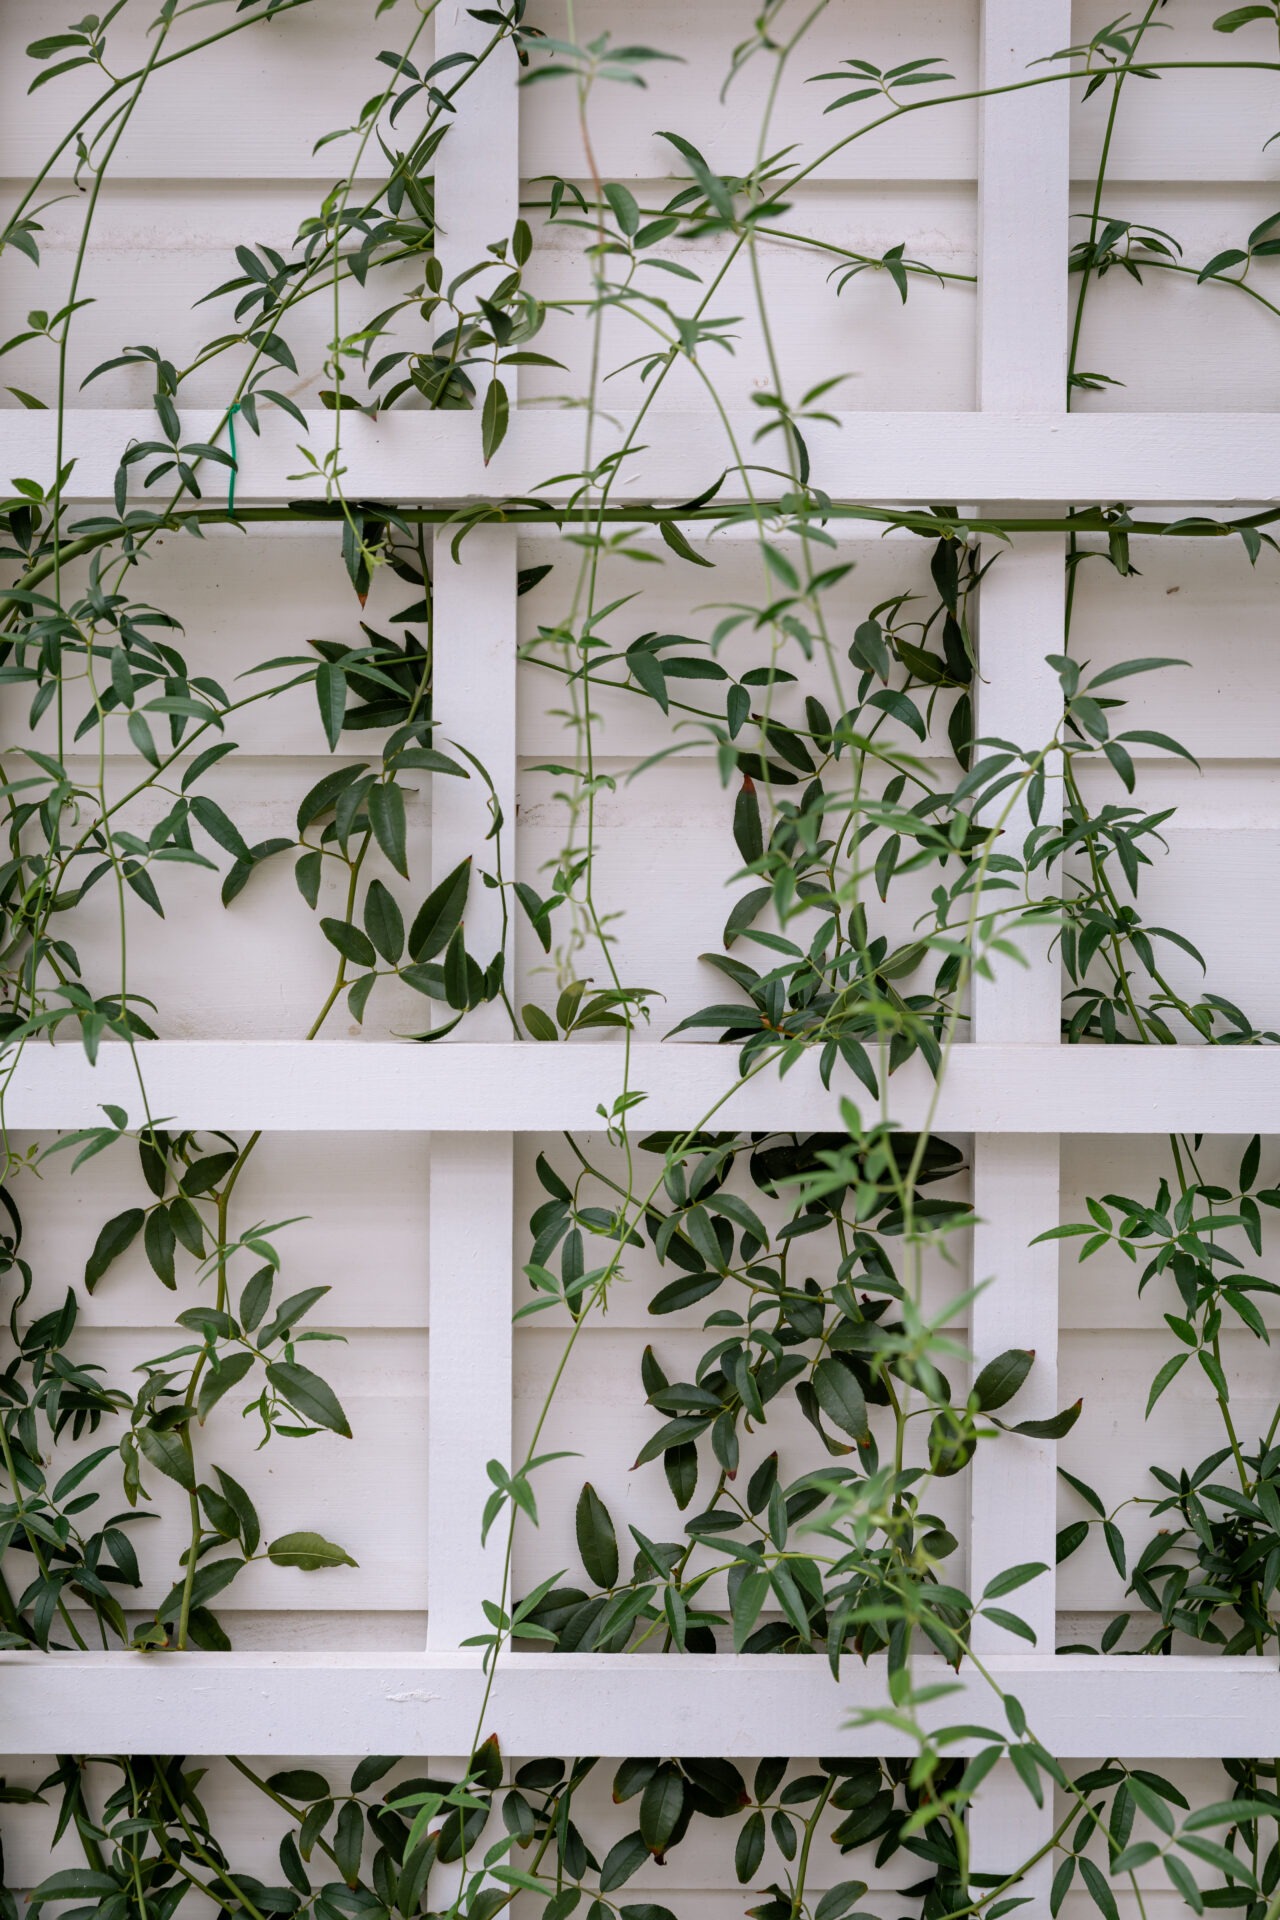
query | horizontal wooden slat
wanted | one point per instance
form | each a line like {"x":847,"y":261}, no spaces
{"x":474,"y":1087}
{"x":611,"y":1704}
{"x":1030,"y":457}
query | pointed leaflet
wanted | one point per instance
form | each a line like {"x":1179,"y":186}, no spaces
{"x":440,"y":913}
{"x":748,"y":832}
{"x":308,"y":1551}
{"x":840,"y":1397}
{"x":308,"y":1395}
{"x":331,"y":695}
{"x":493,"y":419}
{"x":117,"y":1235}
{"x":386,"y":816}
{"x":1000,"y":1379}
{"x":383,"y":922}
{"x":597,"y":1542}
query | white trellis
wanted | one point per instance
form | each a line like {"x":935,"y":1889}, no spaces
{"x":1019,"y":449}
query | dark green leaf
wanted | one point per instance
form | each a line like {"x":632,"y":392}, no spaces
{"x":440,"y":913}
{"x":117,"y":1235}
{"x":384,"y":922}
{"x":840,"y":1397}
{"x":597,"y":1542}
{"x":387,"y":818}
{"x":309,"y":1551}
{"x":308,"y":1395}
{"x":1000,"y":1379}
{"x":331,"y":694}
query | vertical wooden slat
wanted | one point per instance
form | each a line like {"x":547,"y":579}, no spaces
{"x":474,"y":703}
{"x":1023,"y":183}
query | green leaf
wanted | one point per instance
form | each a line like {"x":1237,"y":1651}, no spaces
{"x":384,"y":922}
{"x":680,"y":1464}
{"x":749,"y":1851}
{"x":73,"y":1882}
{"x":372,"y":1768}
{"x":1150,"y":739}
{"x":141,"y":736}
{"x":1140,"y":1854}
{"x":457,"y":987}
{"x":114,"y":1238}
{"x":646,"y":670}
{"x":440,"y":913}
{"x":597,"y":1541}
{"x":711,"y":183}
{"x":1000,"y":1379}
{"x":387,"y":818}
{"x":1228,"y":1813}
{"x":1012,"y":1578}
{"x":1054,"y":1427}
{"x":331,"y":695}
{"x":165,"y":1451}
{"x":541,"y":1026}
{"x":348,"y":1841}
{"x":1168,"y":1372}
{"x":212,"y":1577}
{"x":625,"y":210}
{"x":323,"y":797}
{"x":748,"y":834}
{"x":1238,"y":17}
{"x":621,"y":1861}
{"x":750,"y":1597}
{"x":256,"y":1298}
{"x":840,"y":1397}
{"x":289,"y":1312}
{"x":306,"y":873}
{"x":661,"y":1805}
{"x":221,"y":830}
{"x":1220,"y":1858}
{"x":55,"y":43}
{"x":160,"y":1244}
{"x":1009,"y":1621}
{"x":836,"y":1902}
{"x":299,"y":1783}
{"x":673,"y":537}
{"x":309,"y":1551}
{"x":350,"y":942}
{"x":243,"y":1508}
{"x":493,"y":419}
{"x":308,"y":1395}
{"x":1184,"y":1881}
{"x":1099,"y":1892}
{"x":220,"y":1379}
{"x":73,"y":1477}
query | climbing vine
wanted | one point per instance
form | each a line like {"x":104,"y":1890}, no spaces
{"x":880,"y":853}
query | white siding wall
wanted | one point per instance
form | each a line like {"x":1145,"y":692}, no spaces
{"x":230,"y":159}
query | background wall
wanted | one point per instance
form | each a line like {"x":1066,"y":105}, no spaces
{"x":201,"y":170}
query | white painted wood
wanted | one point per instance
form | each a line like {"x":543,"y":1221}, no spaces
{"x":478,"y":169}
{"x":473,"y":702}
{"x":1022,"y":211}
{"x":1020,"y":621}
{"x":477,"y":1088}
{"x":1032,"y":457}
{"x":1014,"y":1491}
{"x":1022,"y":309}
{"x":469,"y":1396}
{"x":621,"y":1703}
